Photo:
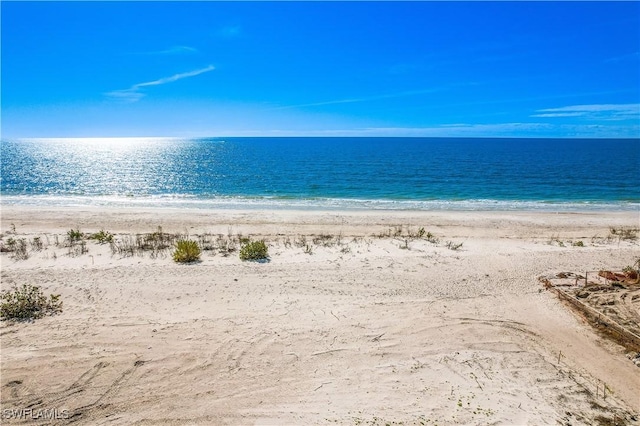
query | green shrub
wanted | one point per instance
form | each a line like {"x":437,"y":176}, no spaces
{"x":28,"y":302}
{"x":74,"y":235}
{"x":186,"y":251}
{"x":102,"y":237}
{"x":254,"y":250}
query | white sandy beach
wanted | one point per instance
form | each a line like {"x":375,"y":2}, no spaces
{"x":361,"y":328}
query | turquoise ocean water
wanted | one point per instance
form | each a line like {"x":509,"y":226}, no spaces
{"x":326,"y":173}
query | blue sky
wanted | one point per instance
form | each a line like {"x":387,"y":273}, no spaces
{"x":505,"y":69}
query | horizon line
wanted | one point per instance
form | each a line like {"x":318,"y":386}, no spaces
{"x":3,"y":138}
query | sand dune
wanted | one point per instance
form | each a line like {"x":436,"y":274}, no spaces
{"x":360,"y":326}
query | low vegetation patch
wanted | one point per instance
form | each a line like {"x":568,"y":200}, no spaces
{"x":453,"y":246}
{"x":17,"y":247}
{"x":432,"y":238}
{"x":624,"y":233}
{"x":220,"y":244}
{"x":327,"y":240}
{"x":74,"y":235}
{"x":28,"y":302}
{"x":555,"y":239}
{"x":36,"y":244}
{"x":102,"y":237}
{"x":186,"y":251}
{"x":407,"y":232}
{"x":156,"y":241}
{"x":254,"y":251}
{"x":156,"y":244}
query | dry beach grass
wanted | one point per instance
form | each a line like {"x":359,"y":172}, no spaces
{"x":356,"y":318}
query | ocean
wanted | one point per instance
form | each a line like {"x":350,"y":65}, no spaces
{"x":324,"y":173}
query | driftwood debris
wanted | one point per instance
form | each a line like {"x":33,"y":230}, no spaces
{"x":608,"y":300}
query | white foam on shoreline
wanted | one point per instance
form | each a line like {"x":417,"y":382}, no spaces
{"x":267,"y":203}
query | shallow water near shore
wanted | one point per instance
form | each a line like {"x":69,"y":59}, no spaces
{"x":327,"y":173}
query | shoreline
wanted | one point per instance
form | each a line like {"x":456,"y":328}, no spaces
{"x":318,"y":203}
{"x":353,"y":319}
{"x":175,"y":219}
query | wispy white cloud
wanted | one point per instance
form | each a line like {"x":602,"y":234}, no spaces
{"x":175,"y":77}
{"x":362,"y":99}
{"x":597,"y":108}
{"x":176,"y":50}
{"x":134,"y":94}
{"x":471,"y":130}
{"x":446,"y":130}
{"x":593,"y":112}
{"x":468,"y":130}
{"x":126,"y":95}
{"x":560,"y":114}
{"x":514,"y":129}
{"x":173,"y":50}
{"x":627,"y":57}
